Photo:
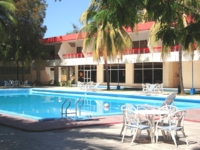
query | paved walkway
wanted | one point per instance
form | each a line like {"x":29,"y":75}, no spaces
{"x":91,"y":138}
{"x":99,"y":133}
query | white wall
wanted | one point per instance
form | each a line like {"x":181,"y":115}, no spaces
{"x":66,"y":48}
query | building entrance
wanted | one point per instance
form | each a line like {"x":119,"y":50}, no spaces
{"x":87,"y":75}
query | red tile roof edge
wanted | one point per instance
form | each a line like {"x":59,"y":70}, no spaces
{"x":70,"y":37}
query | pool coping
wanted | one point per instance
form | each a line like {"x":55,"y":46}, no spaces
{"x":41,"y":126}
{"x":29,"y":125}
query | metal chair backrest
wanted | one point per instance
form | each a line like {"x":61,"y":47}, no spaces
{"x":177,"y":118}
{"x":127,"y":110}
{"x":169,"y":100}
{"x":169,"y":108}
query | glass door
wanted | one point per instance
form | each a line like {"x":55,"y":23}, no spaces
{"x":87,"y":75}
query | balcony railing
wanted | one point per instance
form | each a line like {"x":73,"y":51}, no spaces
{"x":156,"y":49}
{"x":136,"y":51}
{"x":76,"y":55}
{"x":89,"y":54}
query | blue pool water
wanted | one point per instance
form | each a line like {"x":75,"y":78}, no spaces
{"x":43,"y":104}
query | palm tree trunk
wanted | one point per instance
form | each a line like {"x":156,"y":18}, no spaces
{"x":22,"y":71}
{"x":17,"y":69}
{"x":107,"y":75}
{"x":180,"y":71}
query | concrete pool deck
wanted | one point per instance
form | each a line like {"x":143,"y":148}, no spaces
{"x":99,"y":133}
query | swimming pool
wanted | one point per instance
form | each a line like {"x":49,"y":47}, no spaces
{"x":41,"y":104}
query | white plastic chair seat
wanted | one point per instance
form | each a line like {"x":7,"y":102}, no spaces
{"x":168,"y":128}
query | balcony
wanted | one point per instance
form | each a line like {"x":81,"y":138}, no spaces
{"x":156,"y":49}
{"x":76,"y":55}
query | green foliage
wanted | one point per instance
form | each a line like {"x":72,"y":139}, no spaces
{"x":23,"y":41}
{"x":179,"y":22}
{"x":75,"y":29}
{"x":104,"y":38}
{"x":7,"y":7}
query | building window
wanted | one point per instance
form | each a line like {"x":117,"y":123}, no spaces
{"x":148,"y":72}
{"x":87,"y":73}
{"x":78,"y":49}
{"x":113,"y":73}
{"x":139,"y":44}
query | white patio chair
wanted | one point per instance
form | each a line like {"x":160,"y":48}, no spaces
{"x":11,"y":82}
{"x":161,"y":87}
{"x":134,"y":122}
{"x":123,"y":108}
{"x":7,"y":83}
{"x":16,"y":83}
{"x":158,"y":88}
{"x":91,"y":83}
{"x":95,"y":88}
{"x":80,"y":85}
{"x":171,"y":109}
{"x":149,"y":89}
{"x":144,"y":87}
{"x":89,"y":86}
{"x":175,"y":124}
{"x":148,"y":85}
{"x":25,"y":83}
{"x":168,"y":101}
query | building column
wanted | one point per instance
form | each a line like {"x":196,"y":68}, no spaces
{"x":76,"y":74}
{"x":100,"y":75}
{"x":170,"y":74}
{"x":57,"y":75}
{"x":129,"y":68}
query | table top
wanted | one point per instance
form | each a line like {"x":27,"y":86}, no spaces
{"x":151,"y":112}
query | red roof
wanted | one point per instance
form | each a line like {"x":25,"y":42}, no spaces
{"x":142,"y":26}
{"x":70,"y":37}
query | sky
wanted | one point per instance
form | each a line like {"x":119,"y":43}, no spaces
{"x":60,"y":16}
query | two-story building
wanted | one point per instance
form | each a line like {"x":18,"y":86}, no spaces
{"x":138,"y":65}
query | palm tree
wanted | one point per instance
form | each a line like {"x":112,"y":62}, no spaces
{"x":169,"y":14}
{"x":7,"y":7}
{"x":101,"y":36}
{"x":171,"y":27}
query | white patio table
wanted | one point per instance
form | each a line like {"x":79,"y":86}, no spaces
{"x":150,"y":115}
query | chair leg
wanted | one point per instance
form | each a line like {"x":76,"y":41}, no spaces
{"x":124,"y":132}
{"x":164,"y":135}
{"x":173,"y":137}
{"x":156,"y":135}
{"x":168,"y":136}
{"x":149,"y":134}
{"x":121,"y":130}
{"x":134,"y":136}
{"x":138,"y":134}
{"x":184,"y":136}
